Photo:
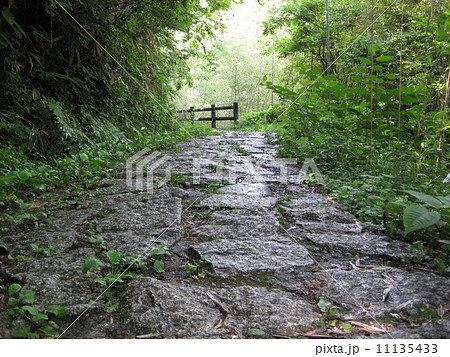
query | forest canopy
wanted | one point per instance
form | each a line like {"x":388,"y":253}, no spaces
{"x":60,"y":86}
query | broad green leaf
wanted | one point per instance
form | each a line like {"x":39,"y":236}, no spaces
{"x":13,"y":301}
{"x":3,"y":245}
{"x":24,"y":174}
{"x":159,"y":266}
{"x":91,"y":263}
{"x":417,"y":217}
{"x":323,"y":304}
{"x":445,"y":200}
{"x":191,"y":268}
{"x":21,"y":331}
{"x":345,"y":325}
{"x":256,"y":332}
{"x":159,"y":251}
{"x":113,"y":256}
{"x":384,"y":58}
{"x":27,"y":296}
{"x":31,"y":309}
{"x":83,"y":156}
{"x":364,"y":60}
{"x":57,"y":310}
{"x":36,"y":248}
{"x":429,"y":200}
{"x":14,"y":289}
{"x":39,"y":317}
{"x":102,"y":282}
{"x":204,"y":261}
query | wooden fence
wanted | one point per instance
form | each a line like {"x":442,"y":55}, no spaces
{"x":213,"y":110}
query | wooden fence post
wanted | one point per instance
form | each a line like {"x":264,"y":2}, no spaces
{"x":235,"y":112}
{"x":213,"y":116}
{"x":192,"y":115}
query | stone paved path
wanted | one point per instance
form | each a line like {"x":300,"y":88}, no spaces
{"x":274,"y":249}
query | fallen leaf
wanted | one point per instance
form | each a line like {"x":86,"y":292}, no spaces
{"x":223,"y":308}
{"x":386,"y":293}
{"x":367,"y":328}
{"x":442,"y":310}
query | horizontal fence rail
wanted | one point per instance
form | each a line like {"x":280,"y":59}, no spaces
{"x":213,"y":109}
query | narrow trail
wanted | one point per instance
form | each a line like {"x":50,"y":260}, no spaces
{"x":261,"y":253}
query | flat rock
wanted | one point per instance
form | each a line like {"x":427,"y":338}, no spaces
{"x":276,"y":255}
{"x":136,"y":224}
{"x":251,"y":189}
{"x":325,"y":219}
{"x":58,"y":239}
{"x":57,"y":280}
{"x":183,"y":310}
{"x":389,"y":291}
{"x":365,"y":243}
{"x":237,"y":201}
{"x":236,"y":224}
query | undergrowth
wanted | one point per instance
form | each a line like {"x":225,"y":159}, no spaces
{"x":22,"y":178}
{"x":393,"y":187}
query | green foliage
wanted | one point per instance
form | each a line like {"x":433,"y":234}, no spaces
{"x":214,"y":187}
{"x":44,"y":251}
{"x":330,"y":316}
{"x":158,"y":265}
{"x":21,"y":179}
{"x":91,"y":264}
{"x":255,"y":332}
{"x":199,"y":267}
{"x":377,"y":126}
{"x":179,"y":180}
{"x":60,"y":91}
{"x":417,"y":217}
{"x":260,"y":120}
{"x":34,"y":323}
{"x":111,"y":275}
{"x":235,"y":146}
